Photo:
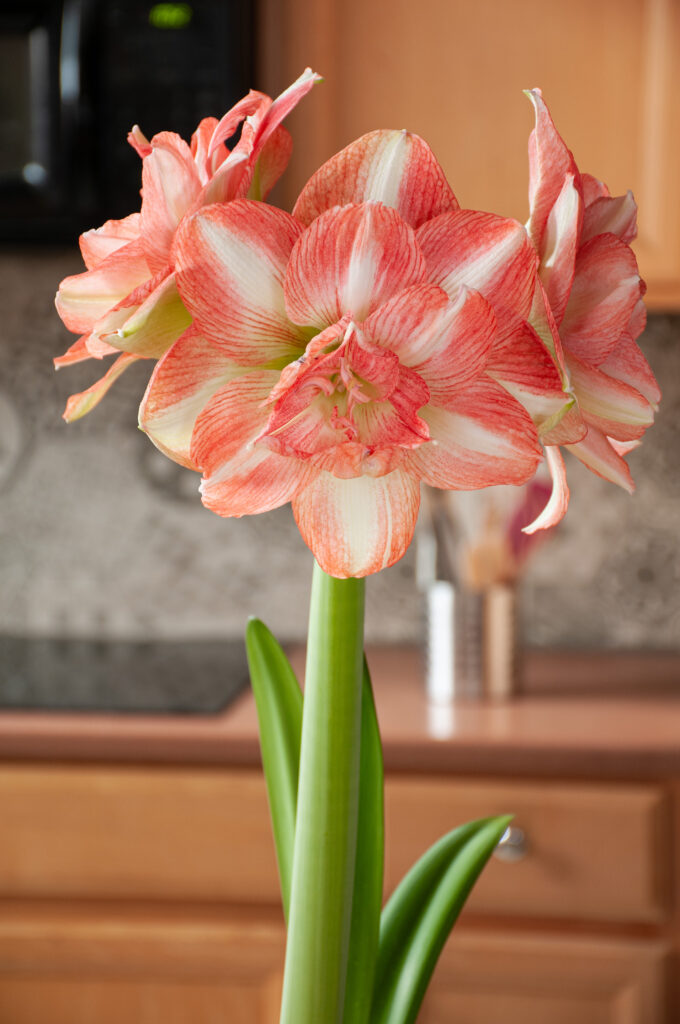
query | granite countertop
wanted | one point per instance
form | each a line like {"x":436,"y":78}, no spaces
{"x":580,"y":715}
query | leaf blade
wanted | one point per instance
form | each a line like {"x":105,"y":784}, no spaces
{"x":420,"y":914}
{"x":278,"y":699}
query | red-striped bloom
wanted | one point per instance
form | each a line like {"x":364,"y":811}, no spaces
{"x":591,"y":281}
{"x":127,"y":303}
{"x":376,"y":338}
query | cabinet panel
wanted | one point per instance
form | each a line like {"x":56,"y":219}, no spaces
{"x":592,"y":852}
{"x":532,"y":980}
{"x":113,"y":963}
{"x":455,"y":72}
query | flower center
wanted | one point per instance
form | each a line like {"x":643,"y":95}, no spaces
{"x":347,"y":404}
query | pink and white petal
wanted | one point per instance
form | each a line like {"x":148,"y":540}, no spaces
{"x":614,"y":407}
{"x":358,"y":526}
{"x":98,"y":243}
{"x":225,"y":184}
{"x":228,"y":124}
{"x":170,"y":185}
{"x":182,"y":384}
{"x":155,"y":325}
{"x":623,"y":447}
{"x":616,"y":215}
{"x":523,"y":365}
{"x":559,"y":245}
{"x":82,"y":403}
{"x":396,"y":168}
{"x":139,"y":141}
{"x":549,"y":164}
{"x":351,"y":260}
{"x":273,"y":115}
{"x":231,"y":262}
{"x":593,"y":188}
{"x":638,"y":319}
{"x":271,"y":163}
{"x":489,"y":439}
{"x":489,"y":254}
{"x":200,"y":148}
{"x":87,"y":347}
{"x":445,"y":342}
{"x":568,"y":427}
{"x":555,"y":510}
{"x":605,"y":291}
{"x":83,"y":299}
{"x":241,"y":477}
{"x":597,"y":453}
{"x":627,"y":363}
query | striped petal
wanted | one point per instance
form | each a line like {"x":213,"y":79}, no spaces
{"x":226,"y":183}
{"x":240,"y":477}
{"x":350,"y":261}
{"x":445,"y":342}
{"x":489,"y":254}
{"x":271,"y":163}
{"x":522,"y":364}
{"x":627,"y":363}
{"x":489,"y":439}
{"x":84,"y":299}
{"x":82,"y":403}
{"x":391,"y":167}
{"x":98,"y":243}
{"x":182,"y":384}
{"x":596,"y":452}
{"x":559,"y":245}
{"x":155,"y":325}
{"x":614,"y":407}
{"x":87,"y":347}
{"x":281,"y":108}
{"x":616,"y":215}
{"x":357,"y":526}
{"x":227,"y":126}
{"x":605,"y":292}
{"x":550,"y":162}
{"x":558,"y":502}
{"x":170,"y":185}
{"x":231,"y":263}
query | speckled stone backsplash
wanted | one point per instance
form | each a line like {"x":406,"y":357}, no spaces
{"x":100,"y":535}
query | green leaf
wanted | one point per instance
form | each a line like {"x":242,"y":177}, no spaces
{"x":368,"y":870}
{"x":420,"y":914}
{"x":278,"y":698}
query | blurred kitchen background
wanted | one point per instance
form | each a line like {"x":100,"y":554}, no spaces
{"x":101,"y":536}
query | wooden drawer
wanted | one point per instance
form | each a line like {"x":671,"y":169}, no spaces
{"x":532,"y":979}
{"x":594,"y":852}
{"x":597,"y":852}
{"x":174,"y":965}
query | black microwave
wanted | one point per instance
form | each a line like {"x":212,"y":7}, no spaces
{"x":75,"y":75}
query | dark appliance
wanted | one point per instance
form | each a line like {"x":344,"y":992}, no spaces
{"x":75,"y":75}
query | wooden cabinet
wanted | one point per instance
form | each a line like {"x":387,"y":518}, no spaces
{"x":454,"y":72}
{"x":149,"y":893}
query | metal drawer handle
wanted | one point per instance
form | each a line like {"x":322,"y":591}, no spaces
{"x":512,"y":846}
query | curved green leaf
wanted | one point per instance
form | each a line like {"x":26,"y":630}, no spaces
{"x":420,"y":914}
{"x":278,"y":699}
{"x":368,"y":870}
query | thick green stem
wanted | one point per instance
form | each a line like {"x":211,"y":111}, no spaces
{"x":326,"y":826}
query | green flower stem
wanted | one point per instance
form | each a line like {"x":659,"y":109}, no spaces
{"x":326,"y":826}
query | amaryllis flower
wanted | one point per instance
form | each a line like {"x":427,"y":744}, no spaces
{"x":127,"y":302}
{"x":338,"y":365}
{"x":591,"y":281}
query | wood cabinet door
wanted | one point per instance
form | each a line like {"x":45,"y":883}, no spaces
{"x":521,"y":979}
{"x":108,"y":963}
{"x":454,"y":73}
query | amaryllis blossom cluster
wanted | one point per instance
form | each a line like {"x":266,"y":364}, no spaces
{"x":377,"y":338}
